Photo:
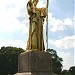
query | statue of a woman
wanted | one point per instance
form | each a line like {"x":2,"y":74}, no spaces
{"x":36,"y":17}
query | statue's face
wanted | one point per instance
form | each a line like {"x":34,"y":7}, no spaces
{"x":35,"y":2}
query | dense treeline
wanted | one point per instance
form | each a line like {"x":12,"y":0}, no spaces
{"x":71,"y":71}
{"x":56,"y":61}
{"x":9,"y":61}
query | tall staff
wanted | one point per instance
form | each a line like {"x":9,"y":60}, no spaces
{"x":47,"y":24}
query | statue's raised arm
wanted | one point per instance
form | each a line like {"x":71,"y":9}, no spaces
{"x":29,"y":6}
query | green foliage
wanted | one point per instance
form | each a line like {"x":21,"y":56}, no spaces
{"x":56,"y":61}
{"x":9,"y":60}
{"x":65,"y":72}
{"x":72,"y":70}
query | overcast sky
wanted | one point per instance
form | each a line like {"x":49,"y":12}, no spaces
{"x":14,"y":26}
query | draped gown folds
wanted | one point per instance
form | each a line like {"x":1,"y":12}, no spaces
{"x":35,"y":38}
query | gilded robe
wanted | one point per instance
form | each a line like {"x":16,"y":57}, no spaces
{"x":36,"y":17}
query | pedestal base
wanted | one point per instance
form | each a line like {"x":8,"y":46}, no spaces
{"x":35,"y":63}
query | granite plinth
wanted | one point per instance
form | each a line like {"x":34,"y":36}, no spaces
{"x":35,"y":61}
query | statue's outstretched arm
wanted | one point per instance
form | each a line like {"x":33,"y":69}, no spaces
{"x":29,"y":6}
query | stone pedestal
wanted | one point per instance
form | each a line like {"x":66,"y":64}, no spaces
{"x":35,"y":63}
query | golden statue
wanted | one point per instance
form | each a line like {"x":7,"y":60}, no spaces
{"x":36,"y":17}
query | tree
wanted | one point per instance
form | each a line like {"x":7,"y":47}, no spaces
{"x":72,"y":70}
{"x":65,"y":72}
{"x":9,"y":60}
{"x":56,"y":61}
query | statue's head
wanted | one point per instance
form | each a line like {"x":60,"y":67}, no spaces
{"x":35,"y":1}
